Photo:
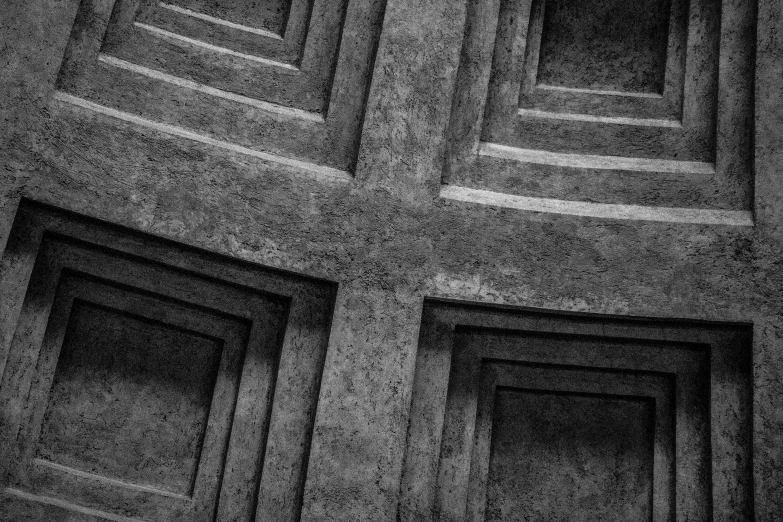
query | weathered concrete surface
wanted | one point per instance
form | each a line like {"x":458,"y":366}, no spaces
{"x":402,"y":141}
{"x":389,"y":242}
{"x":361,"y":479}
{"x":572,"y":54}
{"x":585,"y":441}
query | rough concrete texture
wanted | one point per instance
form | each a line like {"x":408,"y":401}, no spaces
{"x":537,"y":76}
{"x":107,"y":388}
{"x":578,"y":437}
{"x":697,"y":376}
{"x":383,"y":235}
{"x":267,"y":14}
{"x":91,"y":417}
{"x":572,"y":53}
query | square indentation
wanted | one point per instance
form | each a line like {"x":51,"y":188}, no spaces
{"x":570,"y":456}
{"x":611,"y":45}
{"x":130,"y":399}
{"x":526,"y":415}
{"x":152,"y":381}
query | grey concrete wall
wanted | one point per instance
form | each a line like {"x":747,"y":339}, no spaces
{"x":389,"y":241}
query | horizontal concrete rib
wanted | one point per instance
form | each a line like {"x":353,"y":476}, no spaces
{"x":188,"y":84}
{"x":741,"y":218}
{"x":642,"y":122}
{"x":205,"y":28}
{"x":589,"y":161}
{"x":68,"y":506}
{"x":320,"y":171}
{"x":599,"y":91}
{"x":108,"y":480}
{"x":174,"y":36}
{"x":220,"y":21}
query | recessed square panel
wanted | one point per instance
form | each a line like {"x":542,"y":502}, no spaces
{"x":139,"y":391}
{"x":605,"y":102}
{"x":150,"y":381}
{"x":564,"y":456}
{"x":265,"y":75}
{"x":528,"y":416}
{"x":604,"y":45}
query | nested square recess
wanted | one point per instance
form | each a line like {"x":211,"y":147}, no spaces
{"x":559,"y":456}
{"x":128,"y":382}
{"x":527,"y":415}
{"x":611,"y":45}
{"x":594,"y":103}
{"x":150,"y":381}
{"x":283,"y":77}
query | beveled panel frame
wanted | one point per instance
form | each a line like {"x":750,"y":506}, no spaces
{"x":708,"y":364}
{"x":688,"y":147}
{"x":294,"y":15}
{"x":513,"y":92}
{"x":301,"y":96}
{"x":308,"y":43}
{"x":533,"y":95}
{"x":52,"y":479}
{"x":257,"y":442}
{"x":658,"y":388}
{"x":302,"y":62}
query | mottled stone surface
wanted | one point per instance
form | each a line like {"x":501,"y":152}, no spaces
{"x":616,"y":45}
{"x":121,"y":382}
{"x":557,"y":84}
{"x":388,"y":241}
{"x":563,"y":457}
